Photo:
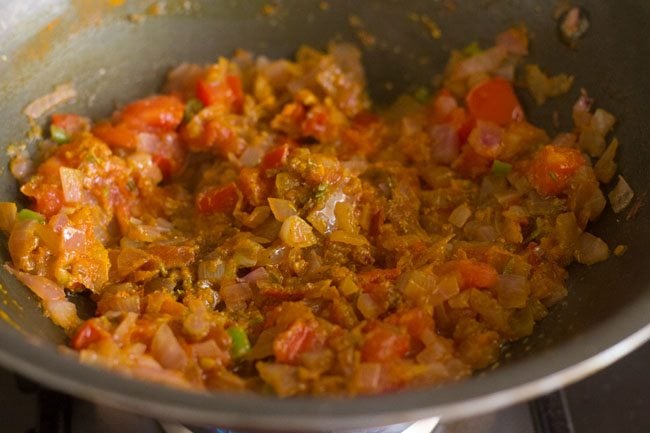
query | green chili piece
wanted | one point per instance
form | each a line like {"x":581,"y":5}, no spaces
{"x":500,"y":168}
{"x":58,"y":134}
{"x":27,"y":215}
{"x":240,"y":344}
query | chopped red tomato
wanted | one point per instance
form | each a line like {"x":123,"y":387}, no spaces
{"x":494,"y":100}
{"x":472,"y":273}
{"x":384,"y":343}
{"x":119,"y":135}
{"x":552,"y":167}
{"x":301,"y":337}
{"x":90,"y":332}
{"x":416,"y":321}
{"x":48,"y":198}
{"x":169,"y":156}
{"x":71,"y":123}
{"x":276,"y":157}
{"x":317,"y":123}
{"x":221,"y":199}
{"x":156,"y":113}
{"x":227,"y":92}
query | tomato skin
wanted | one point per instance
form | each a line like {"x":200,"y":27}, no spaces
{"x":227,"y":92}
{"x":276,"y":157}
{"x":384,"y":343}
{"x":220,"y":199}
{"x":299,"y":338}
{"x":119,"y":135}
{"x":88,"y":334}
{"x":156,"y":113}
{"x":472,"y":273}
{"x":48,"y":199}
{"x":552,"y":167}
{"x":494,"y":100}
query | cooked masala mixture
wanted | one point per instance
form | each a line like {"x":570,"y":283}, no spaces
{"x":258,"y":225}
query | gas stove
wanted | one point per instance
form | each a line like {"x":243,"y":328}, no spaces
{"x":614,"y":400}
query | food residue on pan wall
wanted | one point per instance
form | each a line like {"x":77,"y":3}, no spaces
{"x":366,"y":38}
{"x":429,"y":24}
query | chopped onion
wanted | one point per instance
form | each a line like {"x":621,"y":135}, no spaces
{"x":73,"y":239}
{"x":485,"y":61}
{"x":297,"y":233}
{"x":206,"y":349}
{"x":460,"y":215}
{"x":72,"y":184}
{"x":486,"y":139}
{"x":621,"y":196}
{"x":605,"y":167}
{"x":602,"y":121}
{"x":282,"y":378}
{"x":581,"y":114}
{"x":61,"y":311}
{"x":512,"y":291}
{"x":515,"y":41}
{"x":236,"y":295}
{"x":125,"y":326}
{"x":147,"y":142}
{"x":445,"y":145}
{"x":591,"y":249}
{"x":61,"y":94}
{"x":166,"y":349}
{"x":43,"y":287}
{"x":368,"y":307}
{"x":251,"y":156}
{"x":255,"y":275}
{"x":367,"y":379}
{"x":282,"y":209}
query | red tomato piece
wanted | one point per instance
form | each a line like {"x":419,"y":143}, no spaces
{"x":116,"y":136}
{"x":494,"y":100}
{"x":384,"y":343}
{"x":299,"y":338}
{"x":276,"y":157}
{"x":169,"y":156}
{"x":156,"y":113}
{"x":552,"y":167}
{"x":71,"y":123}
{"x":48,"y":199}
{"x":472,"y":273}
{"x":220,"y":199}
{"x":227,"y":92}
{"x":90,"y":332}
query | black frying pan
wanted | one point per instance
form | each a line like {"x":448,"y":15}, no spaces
{"x":113,"y":59}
